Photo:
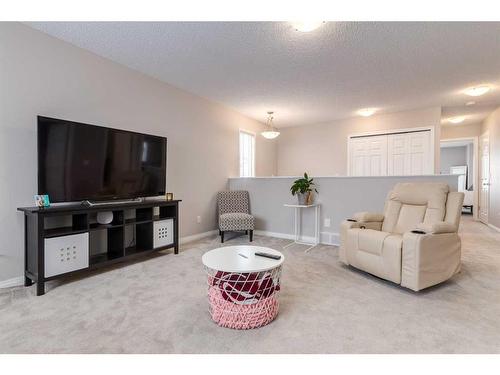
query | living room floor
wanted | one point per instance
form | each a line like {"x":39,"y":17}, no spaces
{"x":160,"y":306}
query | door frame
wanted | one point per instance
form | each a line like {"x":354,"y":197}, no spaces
{"x":475,"y":170}
{"x":389,"y":132}
{"x":486,"y":134}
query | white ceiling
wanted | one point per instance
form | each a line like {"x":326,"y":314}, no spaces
{"x":306,"y":78}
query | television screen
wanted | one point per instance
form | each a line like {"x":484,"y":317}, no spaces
{"x":86,"y":162}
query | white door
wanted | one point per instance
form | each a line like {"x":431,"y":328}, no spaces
{"x":358,"y":150}
{"x":409,"y":154}
{"x":484,"y":192}
{"x":377,"y":156}
{"x":397,"y":158}
{"x":419,"y":153}
{"x":368,"y":156}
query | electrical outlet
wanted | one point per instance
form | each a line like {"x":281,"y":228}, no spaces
{"x":327,"y":222}
{"x":198,"y":219}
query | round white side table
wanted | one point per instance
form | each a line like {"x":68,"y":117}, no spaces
{"x":243,"y":288}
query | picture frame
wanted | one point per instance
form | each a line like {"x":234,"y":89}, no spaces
{"x":42,"y":201}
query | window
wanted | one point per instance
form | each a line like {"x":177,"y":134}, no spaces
{"x":247,"y":154}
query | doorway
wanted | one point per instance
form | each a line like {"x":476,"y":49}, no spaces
{"x":459,"y":156}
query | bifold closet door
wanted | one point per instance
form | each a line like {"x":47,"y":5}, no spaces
{"x":368,"y":156}
{"x":409,"y":154}
{"x":399,"y":154}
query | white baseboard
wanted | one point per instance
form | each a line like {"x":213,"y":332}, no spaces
{"x":493,"y":227}
{"x":274,"y":234}
{"x":195,"y":237}
{"x":326,"y":238}
{"x":16,"y":281}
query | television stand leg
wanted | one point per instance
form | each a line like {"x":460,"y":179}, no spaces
{"x":27,"y":281}
{"x":40,"y":288}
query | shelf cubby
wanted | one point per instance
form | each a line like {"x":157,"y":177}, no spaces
{"x":116,"y":222}
{"x":116,"y":241}
{"x":144,"y":236}
{"x":62,"y":225}
{"x":118,"y":216}
{"x":166,"y":212}
{"x":144,"y":214}
{"x":98,"y":253}
{"x":80,"y":221}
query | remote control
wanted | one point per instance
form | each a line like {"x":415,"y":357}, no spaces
{"x":267,"y":255}
{"x":418,"y":231}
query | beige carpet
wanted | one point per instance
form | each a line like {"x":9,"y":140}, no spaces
{"x":159,"y":306}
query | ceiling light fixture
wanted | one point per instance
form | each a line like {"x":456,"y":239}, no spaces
{"x":270,"y":132}
{"x":307,"y":26}
{"x":468,"y":104}
{"x":456,"y":120}
{"x":367,"y":112}
{"x":477,"y":90}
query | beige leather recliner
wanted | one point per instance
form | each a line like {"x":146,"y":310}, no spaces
{"x":414,"y":243}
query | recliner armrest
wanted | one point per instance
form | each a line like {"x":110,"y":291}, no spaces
{"x":436,"y":228}
{"x":349,"y":224}
{"x":367,"y":217}
{"x":429,"y":259}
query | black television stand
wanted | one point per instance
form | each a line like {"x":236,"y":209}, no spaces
{"x":65,"y":240}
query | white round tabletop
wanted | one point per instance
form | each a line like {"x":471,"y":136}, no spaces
{"x":241,"y":259}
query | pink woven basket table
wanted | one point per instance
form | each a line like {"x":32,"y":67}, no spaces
{"x":242,"y":300}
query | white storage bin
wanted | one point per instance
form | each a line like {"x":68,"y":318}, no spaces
{"x":66,"y":253}
{"x":163,"y":233}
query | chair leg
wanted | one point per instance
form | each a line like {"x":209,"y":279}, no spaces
{"x":222,"y":236}
{"x":220,"y":232}
{"x":251,"y":235}
{"x":246,"y":232}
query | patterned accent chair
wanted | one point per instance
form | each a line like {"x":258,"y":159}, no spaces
{"x":234,"y":212}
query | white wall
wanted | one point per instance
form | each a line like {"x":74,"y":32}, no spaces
{"x":41,"y":75}
{"x":321,"y":149}
{"x":460,"y":131}
{"x":340,"y":198}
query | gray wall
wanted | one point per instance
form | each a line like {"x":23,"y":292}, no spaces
{"x":470,"y":165}
{"x":451,"y":157}
{"x":42,"y":75}
{"x":340,"y":198}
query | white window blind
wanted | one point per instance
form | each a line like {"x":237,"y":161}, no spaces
{"x":247,"y":154}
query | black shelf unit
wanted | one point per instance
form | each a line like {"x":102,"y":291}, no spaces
{"x":79,"y":219}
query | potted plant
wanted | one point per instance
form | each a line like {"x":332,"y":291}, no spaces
{"x":304,"y":187}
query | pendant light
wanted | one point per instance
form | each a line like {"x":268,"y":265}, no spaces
{"x":271,"y":132}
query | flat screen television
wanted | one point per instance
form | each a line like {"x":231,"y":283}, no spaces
{"x":79,"y":162}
